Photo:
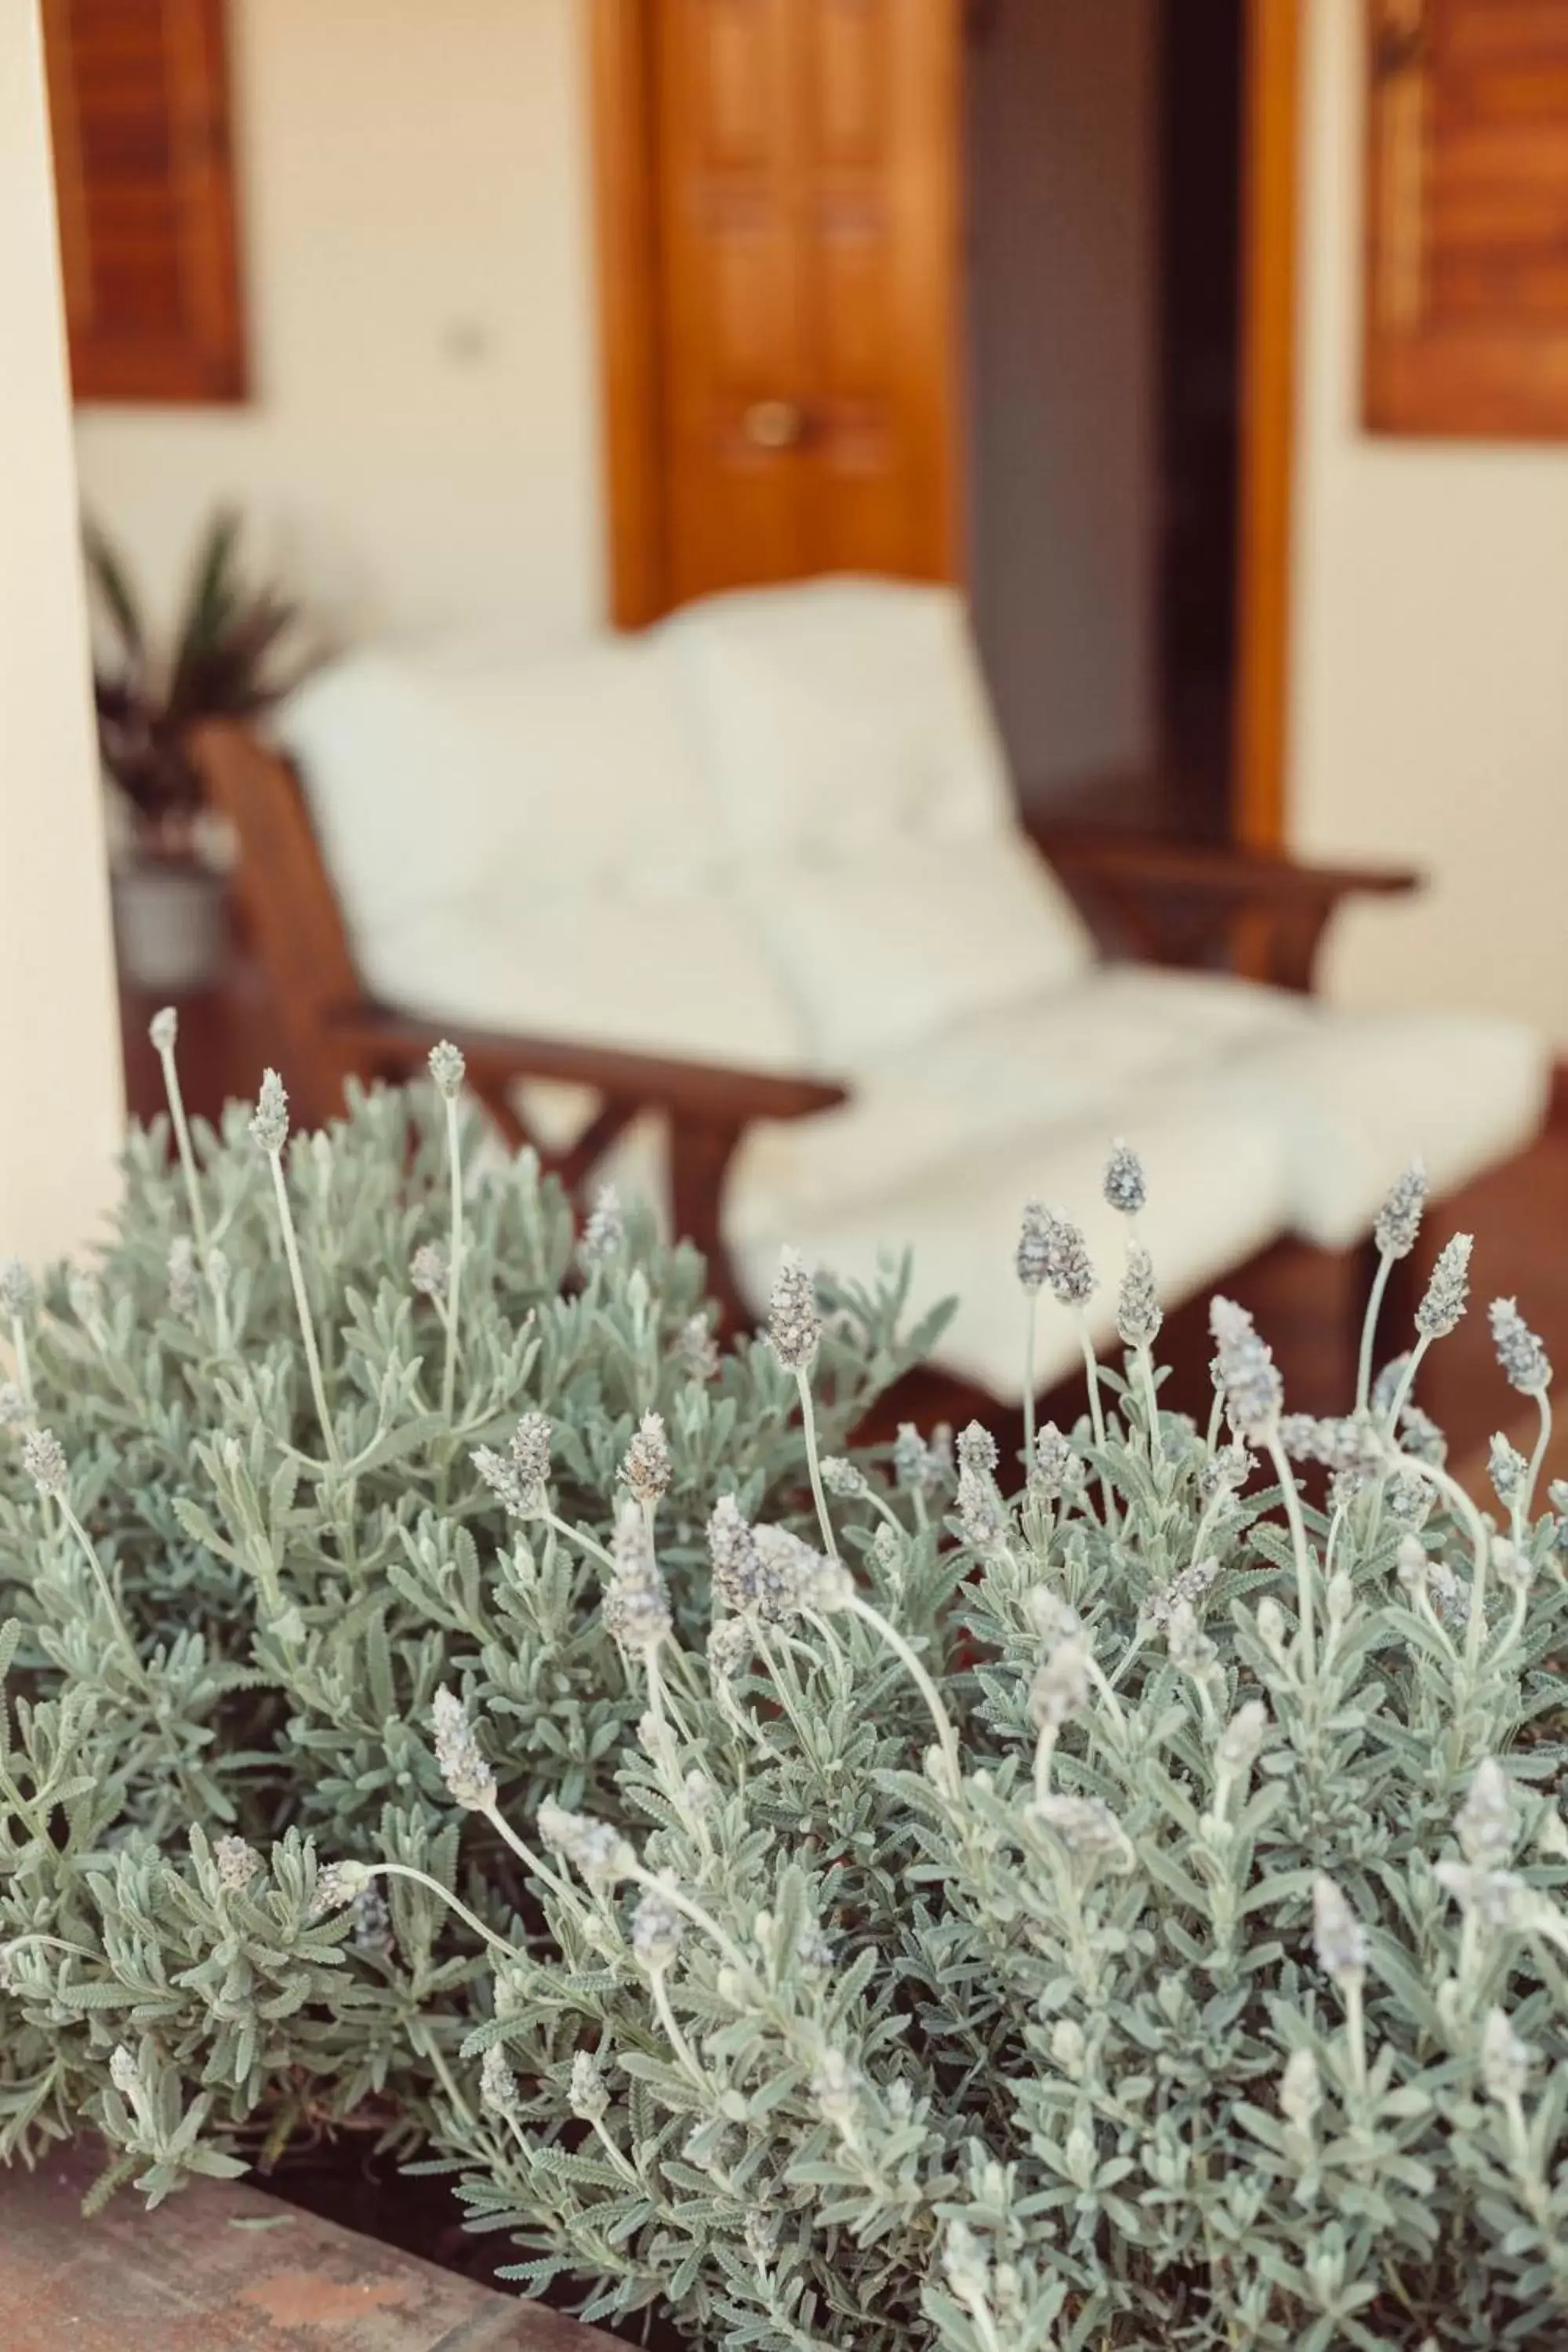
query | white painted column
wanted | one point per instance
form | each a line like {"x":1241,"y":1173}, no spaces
{"x":61,"y":1084}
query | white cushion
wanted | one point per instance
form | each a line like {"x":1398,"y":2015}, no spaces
{"x":424,"y":777}
{"x":1358,"y":1094}
{"x":666,"y":974}
{"x":1219,"y":1188}
{"x":881,"y":951}
{"x":840,"y":712}
{"x":1106,"y":1054}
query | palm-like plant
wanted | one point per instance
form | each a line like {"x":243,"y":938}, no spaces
{"x":224,"y":662}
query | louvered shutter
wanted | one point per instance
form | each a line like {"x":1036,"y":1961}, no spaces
{"x":138,"y":102}
{"x":1467,"y":279}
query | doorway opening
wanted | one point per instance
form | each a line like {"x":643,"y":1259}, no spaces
{"x":1105,"y":161}
{"x":1000,"y":291}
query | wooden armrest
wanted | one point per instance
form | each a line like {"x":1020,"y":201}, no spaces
{"x":707,"y":1107}
{"x":1192,"y":904}
{"x":698,"y":1090}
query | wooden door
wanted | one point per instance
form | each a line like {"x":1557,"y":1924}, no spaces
{"x":804,"y":222}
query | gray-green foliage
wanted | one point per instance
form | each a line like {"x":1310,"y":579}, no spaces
{"x":216,"y":1642}
{"x":1124,"y":1914}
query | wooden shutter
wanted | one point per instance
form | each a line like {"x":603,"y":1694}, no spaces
{"x":139,"y":101}
{"x":1467,"y":280}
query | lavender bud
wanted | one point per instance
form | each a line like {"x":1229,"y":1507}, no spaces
{"x":1055,"y":1465}
{"x":124,"y":2073}
{"x":606,"y":1229}
{"x":16,"y":1288}
{"x":430,"y":1270}
{"x":729,"y":1646}
{"x":636,"y":1606}
{"x":184,"y":1288}
{"x":469,"y":1780}
{"x":14,"y":1406}
{"x":645,"y":1468}
{"x":269,"y":1125}
{"x":1337,"y":1935}
{"x":371,"y":1931}
{"x":1505,"y":2060}
{"x":449,"y":1069}
{"x":1032,"y":1257}
{"x":794,"y":1320}
{"x":1126,"y":1187}
{"x":1251,"y":1383}
{"x":979,"y":1513}
{"x":1300,"y":2090}
{"x":1448,"y":1289}
{"x":599,"y":1854}
{"x":1507,"y":1470}
{"x":1070,"y":1269}
{"x":499,"y":2092}
{"x":1484,"y":1823}
{"x":1399,"y":1219}
{"x":1240,"y":1744}
{"x":845,"y":1480}
{"x":1060,"y":1687}
{"x":657,"y":1930}
{"x":835,"y":2089}
{"x":586,"y":2096}
{"x":337,"y":1884}
{"x":163,"y":1028}
{"x":1084,"y":1825}
{"x":237,"y":1863}
{"x":977,"y":1450}
{"x":697,"y":1350}
{"x":44,"y":1460}
{"x":1137,"y":1311}
{"x":1525,"y":1363}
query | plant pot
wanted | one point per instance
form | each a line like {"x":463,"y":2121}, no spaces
{"x":170,"y":925}
{"x":223,"y":2268}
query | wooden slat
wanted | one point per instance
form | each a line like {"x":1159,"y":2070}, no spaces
{"x":1466,"y":240}
{"x":138,"y":102}
{"x":223,"y":2268}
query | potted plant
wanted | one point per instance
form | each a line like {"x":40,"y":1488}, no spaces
{"x":226,"y":659}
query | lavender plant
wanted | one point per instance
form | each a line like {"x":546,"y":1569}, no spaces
{"x":839,"y":1900}
{"x":255,"y":1490}
{"x":1124,"y":1912}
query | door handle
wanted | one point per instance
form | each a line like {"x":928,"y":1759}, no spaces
{"x":774,"y":425}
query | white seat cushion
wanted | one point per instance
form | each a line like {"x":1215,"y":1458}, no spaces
{"x":1219,"y":1191}
{"x":1358,"y":1094}
{"x":1103,"y":1054}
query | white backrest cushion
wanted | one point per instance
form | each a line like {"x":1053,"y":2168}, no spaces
{"x":879,"y":952}
{"x":837,"y":712}
{"x":425,"y":777}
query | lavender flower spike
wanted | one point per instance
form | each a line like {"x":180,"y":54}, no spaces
{"x":1033,"y":1257}
{"x":1448,"y":1289}
{"x":1525,"y":1362}
{"x":1247,"y":1372}
{"x":449,"y":1069}
{"x":1137,"y":1311}
{"x":795,"y":1320}
{"x":1126,"y":1186}
{"x":1070,"y":1269}
{"x":1338,"y":1935}
{"x":270,"y":1125}
{"x":1399,"y":1219}
{"x":468,"y":1778}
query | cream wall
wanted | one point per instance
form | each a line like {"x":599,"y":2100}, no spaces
{"x":1060,"y":175}
{"x":1430,"y":718}
{"x":59,"y":1043}
{"x":421,"y":450}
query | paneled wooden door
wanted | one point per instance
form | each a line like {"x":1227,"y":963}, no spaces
{"x":800,"y":324}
